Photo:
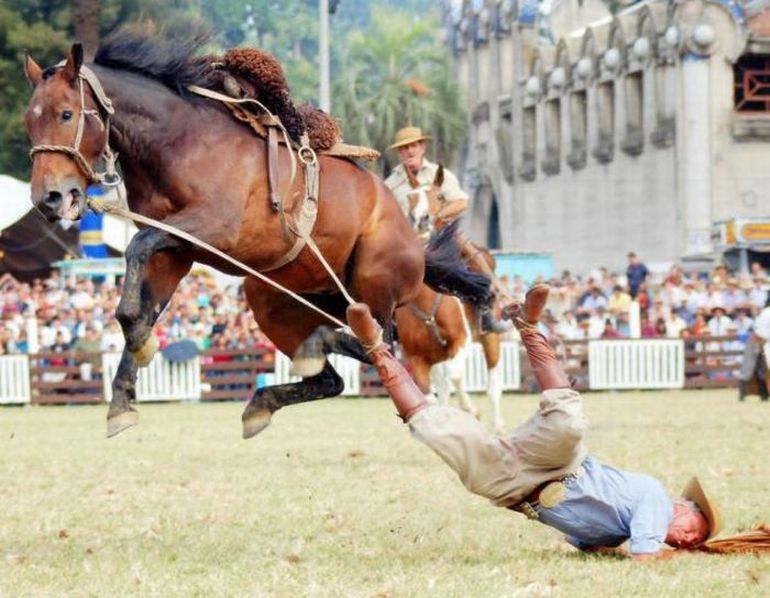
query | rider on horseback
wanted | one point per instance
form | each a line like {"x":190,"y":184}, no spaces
{"x":416,"y":170}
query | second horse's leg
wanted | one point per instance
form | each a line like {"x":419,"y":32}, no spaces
{"x":491,"y":344}
{"x":154,"y":267}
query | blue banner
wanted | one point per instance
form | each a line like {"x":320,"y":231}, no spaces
{"x":91,"y":239}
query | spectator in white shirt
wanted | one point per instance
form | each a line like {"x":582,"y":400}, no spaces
{"x":674,"y":324}
{"x":720,"y":324}
{"x":568,"y":328}
{"x":733,"y":297}
{"x":593,"y":301}
{"x":758,"y":293}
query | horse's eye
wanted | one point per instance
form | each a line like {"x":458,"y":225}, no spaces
{"x":66,"y":115}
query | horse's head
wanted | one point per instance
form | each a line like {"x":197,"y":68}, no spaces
{"x":425,"y":201}
{"x":68,"y":135}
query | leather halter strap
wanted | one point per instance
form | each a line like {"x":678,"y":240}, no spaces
{"x":430,"y":319}
{"x":87,"y":76}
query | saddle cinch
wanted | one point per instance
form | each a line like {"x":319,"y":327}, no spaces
{"x":251,"y":84}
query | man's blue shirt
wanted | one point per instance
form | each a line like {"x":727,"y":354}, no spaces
{"x":605,"y":506}
{"x":636,"y":274}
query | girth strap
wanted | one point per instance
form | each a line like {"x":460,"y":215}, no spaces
{"x":430,"y":319}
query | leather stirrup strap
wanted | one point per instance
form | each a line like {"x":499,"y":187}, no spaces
{"x":272,"y":168}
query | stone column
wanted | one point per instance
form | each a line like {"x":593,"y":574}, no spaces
{"x":694,"y":149}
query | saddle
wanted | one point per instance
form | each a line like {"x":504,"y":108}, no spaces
{"x":251,"y":84}
{"x":256,"y":74}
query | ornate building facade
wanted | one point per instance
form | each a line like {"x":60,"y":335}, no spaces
{"x":592,"y":134}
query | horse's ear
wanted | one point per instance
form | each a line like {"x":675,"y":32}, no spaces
{"x":439,"y":180}
{"x":32,"y":70}
{"x":74,"y":62}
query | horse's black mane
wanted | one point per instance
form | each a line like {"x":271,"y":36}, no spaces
{"x":170,"y":60}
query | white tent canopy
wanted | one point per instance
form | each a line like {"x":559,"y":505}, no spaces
{"x":14,"y":199}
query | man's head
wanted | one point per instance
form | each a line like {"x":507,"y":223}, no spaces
{"x":632,"y":258}
{"x":688,"y":526}
{"x":411,"y":145}
{"x":696,"y":519}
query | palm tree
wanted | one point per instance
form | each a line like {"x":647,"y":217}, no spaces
{"x":398,"y":73}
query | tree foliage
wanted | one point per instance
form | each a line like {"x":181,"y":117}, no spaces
{"x":383,"y":60}
{"x":398,"y":73}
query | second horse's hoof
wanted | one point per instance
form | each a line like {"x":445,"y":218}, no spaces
{"x":254,"y":423}
{"x":122,"y":421}
{"x":147,"y":351}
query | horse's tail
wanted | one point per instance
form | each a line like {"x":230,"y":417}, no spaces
{"x":446,"y":272}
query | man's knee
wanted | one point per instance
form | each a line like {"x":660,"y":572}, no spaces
{"x":569,"y":428}
{"x":563,"y":409}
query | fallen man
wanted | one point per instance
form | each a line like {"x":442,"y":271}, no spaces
{"x":542,"y":468}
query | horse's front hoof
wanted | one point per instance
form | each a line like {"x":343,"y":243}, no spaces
{"x":146,"y":352}
{"x":305,"y":367}
{"x":255,"y":421}
{"x":121,"y":421}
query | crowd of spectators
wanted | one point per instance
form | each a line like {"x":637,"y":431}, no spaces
{"x":78,"y":313}
{"x":671,"y":304}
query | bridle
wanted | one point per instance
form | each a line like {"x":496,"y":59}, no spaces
{"x":420,"y":215}
{"x":109,"y":177}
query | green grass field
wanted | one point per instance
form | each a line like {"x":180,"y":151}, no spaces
{"x":335,"y":499}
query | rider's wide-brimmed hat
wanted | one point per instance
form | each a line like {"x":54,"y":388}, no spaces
{"x":694,"y":491}
{"x":408,"y":135}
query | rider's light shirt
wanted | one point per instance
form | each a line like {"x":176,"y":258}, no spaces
{"x":399,"y":183}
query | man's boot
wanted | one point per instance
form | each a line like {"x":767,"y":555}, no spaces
{"x":546,"y":366}
{"x":491,"y":324}
{"x":403,"y":391}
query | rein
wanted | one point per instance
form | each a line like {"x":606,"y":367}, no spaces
{"x":110,"y":178}
{"x":99,"y":205}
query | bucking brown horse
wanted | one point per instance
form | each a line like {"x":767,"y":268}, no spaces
{"x":187,"y":162}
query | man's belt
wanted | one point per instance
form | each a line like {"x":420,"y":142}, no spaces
{"x":546,"y":495}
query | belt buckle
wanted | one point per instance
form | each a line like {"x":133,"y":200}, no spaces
{"x":553,"y":494}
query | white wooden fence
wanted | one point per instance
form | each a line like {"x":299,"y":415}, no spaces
{"x":476,"y":368}
{"x":14,"y":380}
{"x":161,"y":380}
{"x":615,"y":364}
{"x":636,"y":364}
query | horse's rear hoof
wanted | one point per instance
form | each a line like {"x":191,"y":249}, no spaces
{"x":122,"y":421}
{"x":146,"y":352}
{"x":307,"y":366}
{"x":254,"y":422}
